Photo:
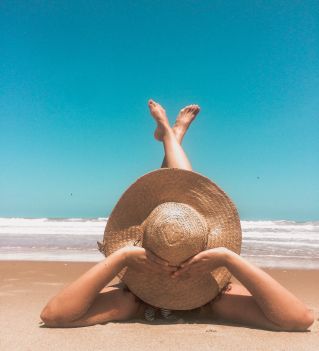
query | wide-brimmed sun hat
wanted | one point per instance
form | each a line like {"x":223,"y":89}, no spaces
{"x":175,"y":214}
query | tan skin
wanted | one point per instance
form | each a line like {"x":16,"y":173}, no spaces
{"x":259,"y":302}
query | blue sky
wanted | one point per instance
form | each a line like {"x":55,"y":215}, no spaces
{"x":75,"y":78}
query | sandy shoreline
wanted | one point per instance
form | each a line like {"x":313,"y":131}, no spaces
{"x":27,"y":286}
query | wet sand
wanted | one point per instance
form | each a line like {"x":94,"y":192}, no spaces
{"x":25,"y":287}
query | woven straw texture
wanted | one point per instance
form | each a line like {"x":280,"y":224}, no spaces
{"x":176,"y":214}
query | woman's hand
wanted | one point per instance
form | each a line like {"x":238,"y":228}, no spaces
{"x":141,"y":259}
{"x":203,"y":262}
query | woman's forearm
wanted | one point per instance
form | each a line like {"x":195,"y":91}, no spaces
{"x":74,"y":301}
{"x":79,"y":295}
{"x":278,"y":304}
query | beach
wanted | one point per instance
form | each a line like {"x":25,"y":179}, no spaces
{"x":27,"y":285}
{"x":39,"y":256}
{"x":168,"y":125}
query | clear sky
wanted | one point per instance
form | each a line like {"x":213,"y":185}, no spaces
{"x":75,"y":77}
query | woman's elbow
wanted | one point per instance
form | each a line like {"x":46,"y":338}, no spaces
{"x":306,"y":320}
{"x":301,"y":323}
{"x":50,"y":318}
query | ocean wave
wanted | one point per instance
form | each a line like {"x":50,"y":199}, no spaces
{"x":279,"y":226}
{"x":266,"y":243}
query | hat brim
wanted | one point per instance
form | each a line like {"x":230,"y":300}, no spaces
{"x":125,"y":228}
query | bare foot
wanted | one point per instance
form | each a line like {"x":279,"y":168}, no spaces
{"x":160,"y":117}
{"x":184,"y":119}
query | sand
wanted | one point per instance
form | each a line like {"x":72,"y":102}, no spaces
{"x":27,"y":286}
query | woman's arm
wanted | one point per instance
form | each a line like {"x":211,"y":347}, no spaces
{"x":278,"y":304}
{"x":80,"y":302}
{"x":75,"y":299}
{"x":280,"y":307}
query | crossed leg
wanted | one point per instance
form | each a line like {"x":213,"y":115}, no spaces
{"x":183,"y":121}
{"x":174,"y":153}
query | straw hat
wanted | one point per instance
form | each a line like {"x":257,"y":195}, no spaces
{"x":176,"y":214}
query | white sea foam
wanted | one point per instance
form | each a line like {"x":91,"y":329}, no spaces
{"x":46,"y":226}
{"x":266,"y":243}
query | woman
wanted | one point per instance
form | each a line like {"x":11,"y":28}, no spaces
{"x":260,"y":301}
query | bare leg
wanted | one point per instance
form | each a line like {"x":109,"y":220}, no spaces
{"x":174,"y":153}
{"x":183,"y":121}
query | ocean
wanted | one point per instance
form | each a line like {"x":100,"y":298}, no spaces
{"x":277,"y":244}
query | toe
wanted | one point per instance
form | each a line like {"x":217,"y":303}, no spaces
{"x":196,"y":108}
